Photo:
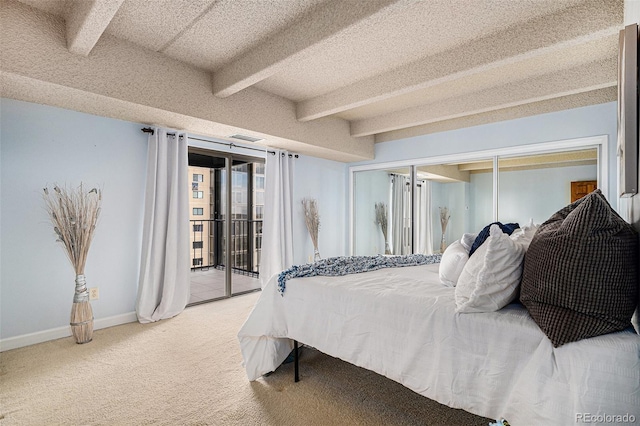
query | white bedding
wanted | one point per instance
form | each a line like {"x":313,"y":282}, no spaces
{"x":401,"y":322}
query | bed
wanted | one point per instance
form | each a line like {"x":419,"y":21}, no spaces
{"x":402,"y":323}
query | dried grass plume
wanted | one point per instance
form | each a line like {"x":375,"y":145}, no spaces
{"x":444,"y":218}
{"x":74,"y":215}
{"x":312,"y":219}
{"x":382,"y":221}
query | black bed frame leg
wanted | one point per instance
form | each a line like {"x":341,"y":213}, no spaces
{"x":295,"y":361}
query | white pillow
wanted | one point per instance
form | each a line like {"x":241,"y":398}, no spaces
{"x":467,"y":241}
{"x":453,"y":260}
{"x":490,"y":279}
{"x":524,"y":234}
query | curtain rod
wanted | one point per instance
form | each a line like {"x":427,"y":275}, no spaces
{"x":229,"y":144}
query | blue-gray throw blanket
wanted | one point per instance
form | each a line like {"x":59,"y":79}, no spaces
{"x":344,"y":265}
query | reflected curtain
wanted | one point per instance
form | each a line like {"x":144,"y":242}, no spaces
{"x":423,"y":221}
{"x":163,"y":286}
{"x":400,"y":214}
{"x":277,"y":229}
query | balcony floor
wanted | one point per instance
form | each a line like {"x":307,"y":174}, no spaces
{"x":208,"y":284}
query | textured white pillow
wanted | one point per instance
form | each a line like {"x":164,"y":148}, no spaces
{"x":490,"y":279}
{"x":524,"y":234}
{"x":467,"y":241}
{"x":453,"y":260}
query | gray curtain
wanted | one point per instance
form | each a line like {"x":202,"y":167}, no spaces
{"x":163,"y":287}
{"x":277,"y":228}
{"x":400,"y":214}
{"x":423,"y":221}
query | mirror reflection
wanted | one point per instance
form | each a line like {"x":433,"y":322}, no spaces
{"x":382,"y":212}
{"x":558,"y":178}
{"x":458,"y":197}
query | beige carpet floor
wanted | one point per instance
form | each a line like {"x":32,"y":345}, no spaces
{"x":187,"y":371}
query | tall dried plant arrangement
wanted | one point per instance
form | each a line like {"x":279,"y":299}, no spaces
{"x":74,"y":215}
{"x":444,"y":220}
{"x":312,"y":220}
{"x":382,"y":220}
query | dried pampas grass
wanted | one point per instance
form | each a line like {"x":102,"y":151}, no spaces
{"x":444,"y":218}
{"x":312,"y":220}
{"x":74,"y":215}
{"x":382,"y":220}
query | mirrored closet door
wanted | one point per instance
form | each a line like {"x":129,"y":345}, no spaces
{"x":425,"y":206}
{"x":536,"y":186}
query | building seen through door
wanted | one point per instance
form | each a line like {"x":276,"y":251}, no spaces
{"x":225,"y":223}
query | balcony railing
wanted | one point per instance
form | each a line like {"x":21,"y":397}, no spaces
{"x":208,"y":245}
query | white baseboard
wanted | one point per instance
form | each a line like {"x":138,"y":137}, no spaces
{"x":61,"y":332}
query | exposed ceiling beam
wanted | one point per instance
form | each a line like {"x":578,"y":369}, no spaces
{"x":592,"y":76}
{"x":600,"y":96}
{"x":125,"y":81}
{"x":502,"y":48}
{"x":86,"y":22}
{"x":445,"y":172}
{"x":289,"y":45}
{"x":556,"y":159}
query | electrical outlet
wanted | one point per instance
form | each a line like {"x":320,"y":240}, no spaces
{"x":94,"y":293}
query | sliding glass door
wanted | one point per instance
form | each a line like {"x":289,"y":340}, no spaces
{"x":226,"y":223}
{"x":207,"y":228}
{"x":246,"y":225}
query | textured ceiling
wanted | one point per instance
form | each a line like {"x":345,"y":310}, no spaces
{"x":324,"y":77}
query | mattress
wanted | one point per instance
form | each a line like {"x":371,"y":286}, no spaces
{"x":401,"y":323}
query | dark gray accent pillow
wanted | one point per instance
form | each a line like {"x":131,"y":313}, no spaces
{"x":580,"y":275}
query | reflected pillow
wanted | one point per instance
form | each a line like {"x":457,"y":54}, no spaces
{"x":453,"y":260}
{"x":491,"y":277}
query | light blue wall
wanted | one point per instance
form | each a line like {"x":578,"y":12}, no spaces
{"x":480,"y":201}
{"x":537,"y":194}
{"x":326,"y":181}
{"x":523,"y":195}
{"x":42,"y":146}
{"x":453,"y":196}
{"x":370,"y":187}
{"x":582,"y":122}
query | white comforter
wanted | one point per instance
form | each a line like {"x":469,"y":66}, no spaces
{"x":400,"y":322}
